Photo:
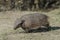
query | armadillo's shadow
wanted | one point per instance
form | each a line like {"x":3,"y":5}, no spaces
{"x":45,"y":30}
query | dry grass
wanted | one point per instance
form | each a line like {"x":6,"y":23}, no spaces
{"x":8,"y":18}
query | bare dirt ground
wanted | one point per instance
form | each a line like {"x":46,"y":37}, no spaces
{"x":7,"y":32}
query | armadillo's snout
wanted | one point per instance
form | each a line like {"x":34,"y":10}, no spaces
{"x":15,"y":28}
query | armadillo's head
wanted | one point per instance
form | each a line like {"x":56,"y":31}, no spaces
{"x":16,"y":27}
